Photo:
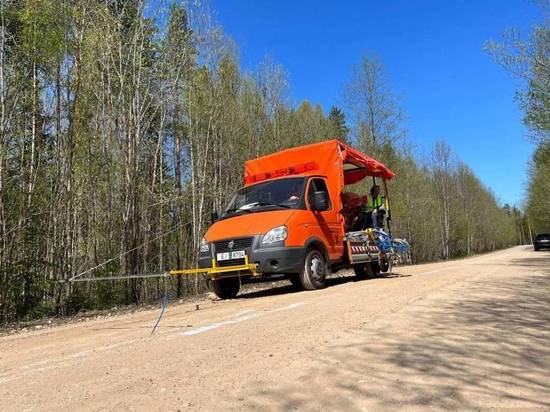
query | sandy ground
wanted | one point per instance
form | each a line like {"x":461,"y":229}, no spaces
{"x":467,"y":334}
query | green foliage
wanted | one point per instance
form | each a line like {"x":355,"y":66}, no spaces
{"x":41,"y":309}
{"x":529,"y":60}
{"x":538,"y":204}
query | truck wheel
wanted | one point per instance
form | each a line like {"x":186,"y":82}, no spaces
{"x":314,"y":271}
{"x":226,"y":288}
{"x":363,"y":271}
{"x":385,"y":265}
{"x":296,"y":282}
{"x":376,"y":268}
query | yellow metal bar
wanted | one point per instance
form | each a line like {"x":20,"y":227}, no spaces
{"x":251,"y":267}
{"x":387,"y":197}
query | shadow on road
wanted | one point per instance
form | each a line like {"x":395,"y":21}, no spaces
{"x":283,"y":287}
{"x":488,"y":345}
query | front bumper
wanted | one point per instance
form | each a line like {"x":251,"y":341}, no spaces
{"x":275,"y":259}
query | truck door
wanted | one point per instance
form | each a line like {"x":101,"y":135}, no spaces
{"x":326,"y":224}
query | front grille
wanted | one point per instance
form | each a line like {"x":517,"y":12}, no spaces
{"x":238,"y":244}
{"x":231,"y":262}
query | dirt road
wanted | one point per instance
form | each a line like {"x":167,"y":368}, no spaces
{"x":473,"y":333}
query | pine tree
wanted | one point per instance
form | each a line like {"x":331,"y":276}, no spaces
{"x":337,"y":125}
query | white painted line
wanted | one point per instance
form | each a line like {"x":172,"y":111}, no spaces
{"x":246,"y":315}
{"x":73,"y":359}
{"x":292,"y":306}
{"x":217,"y":325}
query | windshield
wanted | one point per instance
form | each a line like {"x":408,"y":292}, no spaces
{"x":282,"y":194}
{"x":543,"y":236}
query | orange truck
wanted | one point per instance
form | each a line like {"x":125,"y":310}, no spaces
{"x":291,"y":219}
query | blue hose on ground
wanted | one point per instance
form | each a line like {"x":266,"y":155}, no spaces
{"x":164,"y":304}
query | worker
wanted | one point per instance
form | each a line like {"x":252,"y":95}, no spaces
{"x":295,"y":194}
{"x":374,"y":208}
{"x":289,"y":198}
{"x":294,"y":197}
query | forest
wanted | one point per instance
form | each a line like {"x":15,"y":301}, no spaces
{"x":125,"y":123}
{"x":529,"y":61}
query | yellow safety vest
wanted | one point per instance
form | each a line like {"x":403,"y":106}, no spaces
{"x":373,"y":203}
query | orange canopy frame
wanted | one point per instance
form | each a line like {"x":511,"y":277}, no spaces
{"x":357,"y":166}
{"x":326,"y":158}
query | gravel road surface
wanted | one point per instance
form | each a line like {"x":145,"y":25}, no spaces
{"x":465,"y":334}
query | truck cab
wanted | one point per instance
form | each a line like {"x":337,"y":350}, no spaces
{"x":287,"y":220}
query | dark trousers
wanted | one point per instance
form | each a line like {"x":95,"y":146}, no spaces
{"x":365,"y":220}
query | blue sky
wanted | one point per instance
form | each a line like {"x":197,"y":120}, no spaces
{"x":433,"y":53}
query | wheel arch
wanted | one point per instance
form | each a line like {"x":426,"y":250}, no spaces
{"x":317,"y":243}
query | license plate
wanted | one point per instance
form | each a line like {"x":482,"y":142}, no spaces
{"x":237,"y":254}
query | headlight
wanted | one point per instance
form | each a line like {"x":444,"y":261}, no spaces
{"x":277,"y":234}
{"x":204,"y":246}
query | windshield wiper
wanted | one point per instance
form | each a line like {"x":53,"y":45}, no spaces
{"x":251,"y":208}
{"x":237,"y":210}
{"x":272,"y":204}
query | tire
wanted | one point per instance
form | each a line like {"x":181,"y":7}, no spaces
{"x":296,"y":282}
{"x":314,"y":271}
{"x":226,"y":288}
{"x":384,"y":266}
{"x":375,"y":268}
{"x":363,"y":271}
{"x":536,"y":249}
{"x":369,"y":270}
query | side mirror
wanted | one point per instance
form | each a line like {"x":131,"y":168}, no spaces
{"x":214,"y":216}
{"x":320,"y":201}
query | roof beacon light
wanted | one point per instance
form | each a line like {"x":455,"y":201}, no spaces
{"x":287,"y":171}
